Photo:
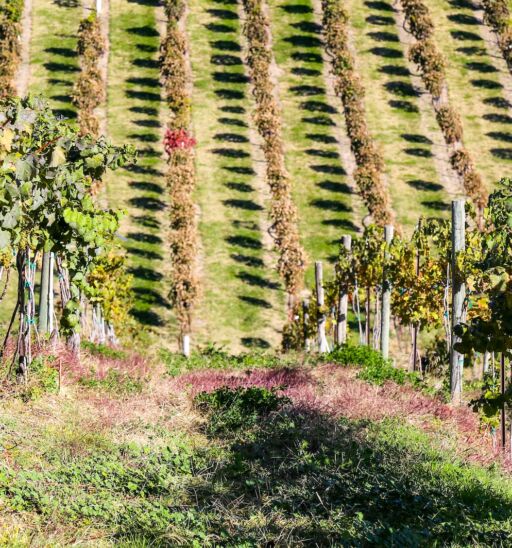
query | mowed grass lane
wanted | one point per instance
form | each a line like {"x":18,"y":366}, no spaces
{"x":53,"y":58}
{"x":242,"y":304}
{"x":134,"y":116}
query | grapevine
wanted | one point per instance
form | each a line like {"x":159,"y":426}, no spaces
{"x":267,"y":116}
{"x":179,"y":146}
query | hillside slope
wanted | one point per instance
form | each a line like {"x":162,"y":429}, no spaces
{"x":288,"y":455}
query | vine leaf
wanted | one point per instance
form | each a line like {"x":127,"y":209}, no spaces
{"x":5,"y":239}
{"x":25,"y":168}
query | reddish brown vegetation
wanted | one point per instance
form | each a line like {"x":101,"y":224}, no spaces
{"x":89,"y":89}
{"x":267,"y":117}
{"x":347,"y":84}
{"x":497,"y":16}
{"x":179,"y":145}
{"x":336,"y":391}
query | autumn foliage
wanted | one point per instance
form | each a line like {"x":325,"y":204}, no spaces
{"x":497,"y":16}
{"x":267,"y":117}
{"x":89,"y":89}
{"x":179,"y":145}
{"x":10,"y":46}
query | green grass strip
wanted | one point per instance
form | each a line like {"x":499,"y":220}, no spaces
{"x":240,"y":291}
{"x":134,"y":106}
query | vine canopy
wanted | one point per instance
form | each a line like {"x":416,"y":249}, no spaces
{"x":46,"y":172}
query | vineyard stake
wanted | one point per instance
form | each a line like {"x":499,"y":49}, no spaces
{"x":385,"y":315}
{"x":368,"y":314}
{"x":415,"y":326}
{"x":341,"y":327}
{"x":305,"y":323}
{"x":43,"y":294}
{"x":186,"y":345}
{"x":502,"y":410}
{"x":51,"y":305}
{"x":458,"y":297}
{"x":322,"y":340}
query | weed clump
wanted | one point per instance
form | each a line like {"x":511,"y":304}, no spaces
{"x":214,"y":357}
{"x":231,"y":409}
{"x":374,"y":368}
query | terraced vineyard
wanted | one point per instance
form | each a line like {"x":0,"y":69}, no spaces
{"x":280,"y":162}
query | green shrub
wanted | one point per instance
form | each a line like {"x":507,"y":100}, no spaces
{"x":355,"y":355}
{"x":230,"y":409}
{"x":43,"y":379}
{"x":374,"y":368}
{"x":103,"y":350}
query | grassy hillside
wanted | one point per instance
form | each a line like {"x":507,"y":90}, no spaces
{"x":312,"y":122}
{"x":400,"y":125}
{"x":479,"y":88}
{"x":135,"y":457}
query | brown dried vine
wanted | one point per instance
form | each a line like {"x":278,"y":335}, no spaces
{"x":181,"y":169}
{"x":431,"y":63}
{"x":10,"y":46}
{"x":368,"y":175}
{"x":497,"y":16}
{"x":89,"y":89}
{"x":267,"y":117}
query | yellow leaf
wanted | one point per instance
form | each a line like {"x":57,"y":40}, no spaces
{"x":6,"y":139}
{"x":58,"y":157}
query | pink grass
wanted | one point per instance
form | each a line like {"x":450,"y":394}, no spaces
{"x":336,"y":391}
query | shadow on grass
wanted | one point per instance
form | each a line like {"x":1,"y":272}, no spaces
{"x":255,"y":343}
{"x":255,"y":301}
{"x":419,"y":184}
{"x":147,"y":317}
{"x":345,"y":483}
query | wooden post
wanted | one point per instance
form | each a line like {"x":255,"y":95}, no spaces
{"x":185,"y":342}
{"x":487,"y":356}
{"x":458,"y":296}
{"x":43,"y":294}
{"x":415,"y":329}
{"x":322,"y":340}
{"x":367,"y":324}
{"x":385,"y":315}
{"x":305,"y":316}
{"x":341,"y":323}
{"x":502,"y":410}
{"x":51,"y":302}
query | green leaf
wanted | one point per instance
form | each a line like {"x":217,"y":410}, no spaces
{"x":58,"y":157}
{"x":5,"y":239}
{"x":25,"y":169}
